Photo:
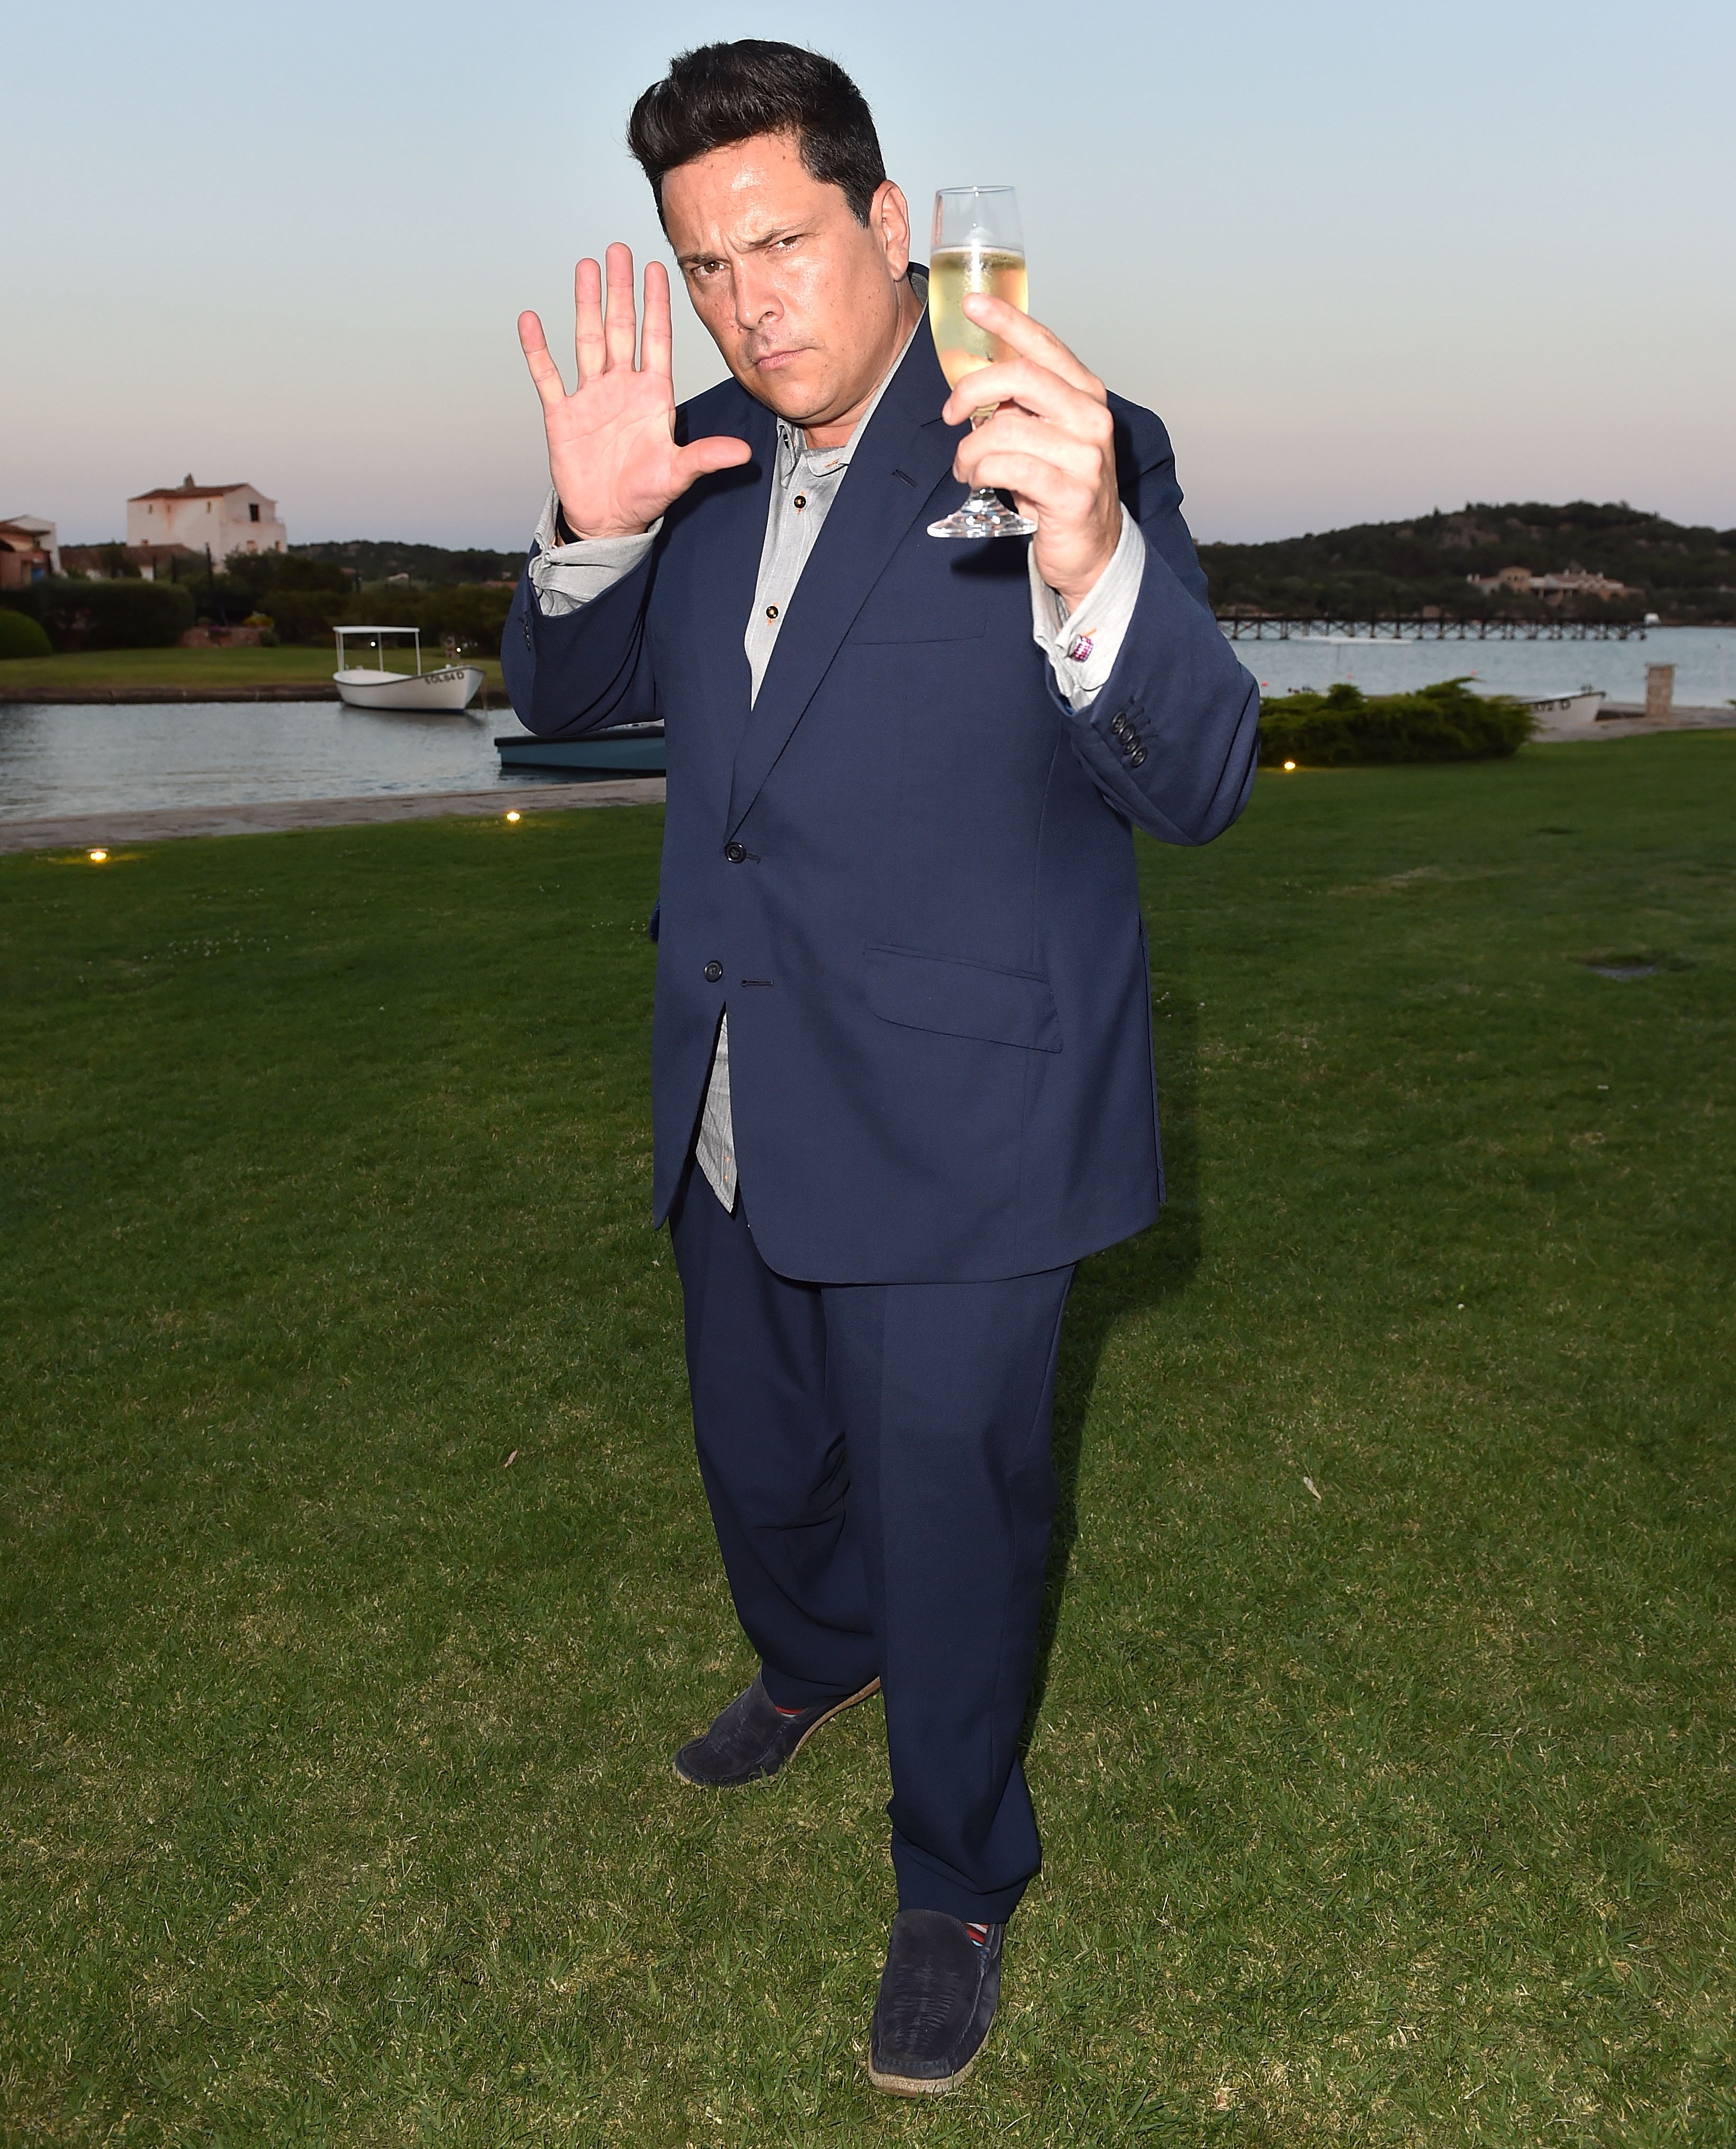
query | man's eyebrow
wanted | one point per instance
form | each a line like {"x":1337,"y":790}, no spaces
{"x":748,"y":246}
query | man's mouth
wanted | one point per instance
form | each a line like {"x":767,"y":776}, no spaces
{"x":773,"y":361}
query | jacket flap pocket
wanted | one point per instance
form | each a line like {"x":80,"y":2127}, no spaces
{"x":960,"y":998}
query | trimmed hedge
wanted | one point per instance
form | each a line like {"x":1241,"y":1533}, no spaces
{"x":118,"y":615}
{"x":1344,"y":727}
{"x":21,"y":637}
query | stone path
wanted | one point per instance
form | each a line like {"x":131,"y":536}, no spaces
{"x":84,"y":832}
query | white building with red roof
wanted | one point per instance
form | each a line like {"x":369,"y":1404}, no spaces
{"x":225,"y":518}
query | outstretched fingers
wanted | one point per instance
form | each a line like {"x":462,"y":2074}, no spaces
{"x":657,"y":337}
{"x":621,"y":331}
{"x":544,"y":371}
{"x":716,"y":452}
{"x":587,"y":316}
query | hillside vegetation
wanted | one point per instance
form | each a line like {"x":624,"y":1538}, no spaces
{"x":1387,"y":569}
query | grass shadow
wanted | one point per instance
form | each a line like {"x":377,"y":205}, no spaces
{"x":1137,"y":1275}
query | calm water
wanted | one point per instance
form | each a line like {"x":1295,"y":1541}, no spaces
{"x":1704,"y":658}
{"x":90,"y":760}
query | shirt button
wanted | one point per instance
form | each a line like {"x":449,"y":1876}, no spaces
{"x":735,"y":852}
{"x":801,"y":499}
{"x":770,"y":611}
{"x":713,"y":972}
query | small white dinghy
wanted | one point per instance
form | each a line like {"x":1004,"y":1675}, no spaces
{"x":1564,"y":713}
{"x":454,"y":686}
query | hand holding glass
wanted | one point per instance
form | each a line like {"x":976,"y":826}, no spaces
{"x":978,"y":246}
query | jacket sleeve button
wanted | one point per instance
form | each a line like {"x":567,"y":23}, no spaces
{"x":1136,"y":758}
{"x":735,"y":852}
{"x":713,"y":972}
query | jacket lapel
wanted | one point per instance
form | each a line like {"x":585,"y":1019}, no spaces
{"x":722,"y":593}
{"x":901,"y":457}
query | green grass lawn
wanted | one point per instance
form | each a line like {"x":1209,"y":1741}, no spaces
{"x":198,"y":667}
{"x":356,"y":1582}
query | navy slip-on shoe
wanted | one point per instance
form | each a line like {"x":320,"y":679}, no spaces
{"x":753,"y":1738}
{"x":938,"y":1993}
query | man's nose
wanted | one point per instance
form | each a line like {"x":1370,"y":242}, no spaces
{"x":756,"y":298}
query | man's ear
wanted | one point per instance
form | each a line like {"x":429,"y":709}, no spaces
{"x":889,"y":219}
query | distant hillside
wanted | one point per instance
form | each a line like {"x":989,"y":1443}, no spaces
{"x":378,"y":559}
{"x":1383,"y":570}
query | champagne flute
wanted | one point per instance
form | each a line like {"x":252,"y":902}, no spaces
{"x":979,"y":245}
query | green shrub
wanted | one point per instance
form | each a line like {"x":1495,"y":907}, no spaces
{"x":20,"y":635}
{"x":122,"y":615}
{"x":305,"y":615}
{"x":471,"y":615}
{"x":1344,"y":727}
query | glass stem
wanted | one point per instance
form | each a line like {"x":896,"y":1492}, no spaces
{"x":982,"y":495}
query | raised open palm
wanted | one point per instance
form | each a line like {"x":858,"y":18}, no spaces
{"x":611,"y":443}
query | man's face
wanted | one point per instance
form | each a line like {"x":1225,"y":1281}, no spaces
{"x":804,"y":302}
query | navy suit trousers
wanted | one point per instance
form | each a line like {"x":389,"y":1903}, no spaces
{"x":877,"y":1458}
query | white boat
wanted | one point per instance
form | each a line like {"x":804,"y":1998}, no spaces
{"x":1564,"y":713}
{"x":454,"y":686}
{"x":621,"y":750}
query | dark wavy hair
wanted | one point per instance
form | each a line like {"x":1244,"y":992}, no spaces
{"x":718,"y":94}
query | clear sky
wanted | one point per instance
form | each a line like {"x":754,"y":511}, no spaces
{"x":1367,"y":257}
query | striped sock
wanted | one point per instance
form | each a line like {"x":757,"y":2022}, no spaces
{"x":979,"y":1934}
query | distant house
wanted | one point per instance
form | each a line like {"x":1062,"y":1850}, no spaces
{"x":29,"y":549}
{"x":224,"y":518}
{"x":1569,"y":582}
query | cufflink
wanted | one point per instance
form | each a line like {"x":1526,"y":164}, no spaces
{"x":1080,"y":647}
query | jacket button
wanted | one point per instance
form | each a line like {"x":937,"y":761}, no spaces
{"x":713,"y":972}
{"x":735,"y":852}
{"x":1136,"y":757}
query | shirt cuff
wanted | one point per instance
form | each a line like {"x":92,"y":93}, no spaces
{"x":1082,"y":646}
{"x":565,"y":576}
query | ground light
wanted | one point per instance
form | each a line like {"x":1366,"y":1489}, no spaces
{"x":513,"y":815}
{"x":98,"y":857}
{"x":1289,"y":764}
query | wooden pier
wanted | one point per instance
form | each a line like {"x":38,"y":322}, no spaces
{"x":1271,"y":628}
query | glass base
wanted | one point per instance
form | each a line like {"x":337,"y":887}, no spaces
{"x":984,"y":515}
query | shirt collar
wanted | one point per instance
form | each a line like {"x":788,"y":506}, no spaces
{"x":792,"y":448}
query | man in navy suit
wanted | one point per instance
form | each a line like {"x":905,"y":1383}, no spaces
{"x":901,"y":1053}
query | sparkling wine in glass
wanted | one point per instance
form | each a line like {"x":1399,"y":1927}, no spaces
{"x":978,"y":245}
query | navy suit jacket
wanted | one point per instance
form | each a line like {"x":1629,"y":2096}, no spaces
{"x":907,"y":869}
